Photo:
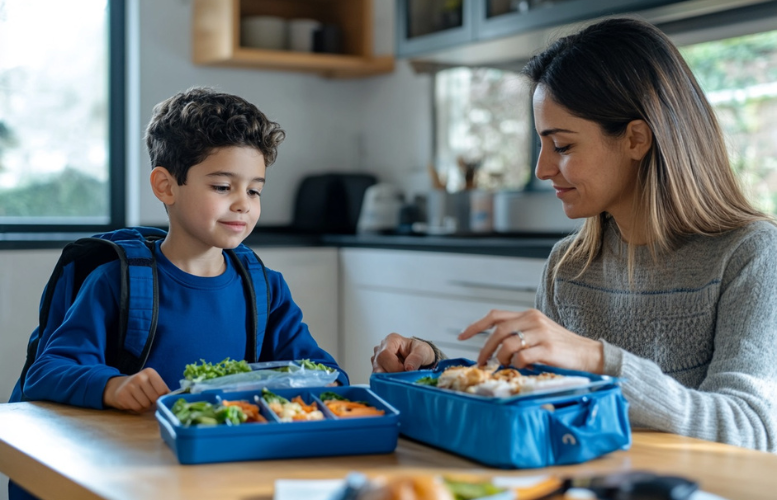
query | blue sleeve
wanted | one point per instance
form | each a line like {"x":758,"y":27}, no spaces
{"x":70,"y":366}
{"x":287,"y":337}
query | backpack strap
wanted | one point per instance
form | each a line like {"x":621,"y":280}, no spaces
{"x":139,"y":306}
{"x":139,"y":296}
{"x":257,"y":290}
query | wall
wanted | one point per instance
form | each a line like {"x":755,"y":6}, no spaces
{"x":380,"y":124}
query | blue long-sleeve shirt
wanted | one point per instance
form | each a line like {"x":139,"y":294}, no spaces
{"x":199,"y":318}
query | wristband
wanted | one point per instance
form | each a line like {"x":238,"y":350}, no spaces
{"x":438,"y":355}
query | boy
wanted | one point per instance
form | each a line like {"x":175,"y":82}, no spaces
{"x":209,"y":152}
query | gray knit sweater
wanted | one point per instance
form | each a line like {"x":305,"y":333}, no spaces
{"x":694,"y":337}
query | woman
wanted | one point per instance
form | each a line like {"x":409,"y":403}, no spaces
{"x":671,"y":282}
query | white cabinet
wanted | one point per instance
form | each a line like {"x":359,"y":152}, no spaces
{"x":312,"y":276}
{"x":23,"y":275}
{"x":425,"y":294}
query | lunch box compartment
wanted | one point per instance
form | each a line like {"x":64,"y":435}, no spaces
{"x":279,"y":440}
{"x":518,"y":432}
{"x":307,"y":396}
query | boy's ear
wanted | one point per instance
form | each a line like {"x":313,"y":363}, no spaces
{"x":639,"y":139}
{"x":163,"y":183}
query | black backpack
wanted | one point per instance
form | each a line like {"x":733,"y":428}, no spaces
{"x":134,"y":248}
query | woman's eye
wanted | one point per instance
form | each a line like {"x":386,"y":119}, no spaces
{"x":561,"y":149}
{"x":221,"y":189}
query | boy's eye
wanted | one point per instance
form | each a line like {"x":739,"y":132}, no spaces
{"x":254,"y":192}
{"x":561,"y":149}
{"x":221,"y":189}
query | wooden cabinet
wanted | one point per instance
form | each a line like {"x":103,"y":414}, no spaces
{"x":425,"y":294}
{"x":216,"y":36}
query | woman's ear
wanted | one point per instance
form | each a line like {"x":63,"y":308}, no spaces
{"x":163,"y":184}
{"x":639,"y":139}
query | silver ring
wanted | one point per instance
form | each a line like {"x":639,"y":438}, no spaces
{"x":520,"y":336}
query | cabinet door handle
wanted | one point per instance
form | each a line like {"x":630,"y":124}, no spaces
{"x":511,"y":288}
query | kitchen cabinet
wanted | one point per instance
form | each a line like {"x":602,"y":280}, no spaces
{"x":425,"y":294}
{"x":425,"y":26}
{"x":312,"y":275}
{"x":428,"y":25}
{"x":23,"y":276}
{"x":216,"y":36}
{"x":498,"y":18}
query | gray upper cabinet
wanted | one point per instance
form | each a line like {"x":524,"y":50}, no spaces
{"x":428,"y":25}
{"x":425,"y":26}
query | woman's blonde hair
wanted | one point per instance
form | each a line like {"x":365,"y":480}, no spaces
{"x":623,"y":69}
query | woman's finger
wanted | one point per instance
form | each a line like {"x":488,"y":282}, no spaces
{"x":511,"y":345}
{"x":529,"y":356}
{"x":502,"y":332}
{"x":487,"y":322}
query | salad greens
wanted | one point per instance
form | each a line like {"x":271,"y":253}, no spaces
{"x":206,"y":371}
{"x":427,"y":381}
{"x":271,"y":397}
{"x":312,"y":365}
{"x":333,"y":396}
{"x":326,"y":396}
{"x":470,"y":491}
{"x":204,"y":413}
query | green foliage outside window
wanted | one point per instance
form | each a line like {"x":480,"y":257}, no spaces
{"x":739,"y":76}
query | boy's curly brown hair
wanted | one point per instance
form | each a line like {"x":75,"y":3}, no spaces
{"x":189,"y":126}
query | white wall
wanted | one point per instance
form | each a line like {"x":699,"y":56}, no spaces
{"x":380,"y":124}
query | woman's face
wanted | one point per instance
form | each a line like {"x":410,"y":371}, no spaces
{"x":591,"y":173}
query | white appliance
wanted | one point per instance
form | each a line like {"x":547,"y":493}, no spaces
{"x":531,"y":211}
{"x":380,"y":208}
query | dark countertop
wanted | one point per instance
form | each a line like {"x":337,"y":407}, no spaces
{"x":530,"y":246}
{"x":513,"y":245}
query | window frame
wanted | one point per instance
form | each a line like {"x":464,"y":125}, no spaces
{"x":117,"y":99}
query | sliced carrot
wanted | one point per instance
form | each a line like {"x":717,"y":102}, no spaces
{"x":307,"y":408}
{"x":352,"y":409}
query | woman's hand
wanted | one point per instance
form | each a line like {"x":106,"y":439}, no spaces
{"x":398,"y":354}
{"x":136,"y":393}
{"x":544,"y":341}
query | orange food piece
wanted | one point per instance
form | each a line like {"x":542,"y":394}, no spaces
{"x":352,"y":409}
{"x":307,"y":408}
{"x":251,"y":410}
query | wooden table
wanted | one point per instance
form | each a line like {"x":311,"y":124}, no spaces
{"x":61,"y":452}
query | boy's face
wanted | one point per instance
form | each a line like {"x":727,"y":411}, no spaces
{"x":219,"y":205}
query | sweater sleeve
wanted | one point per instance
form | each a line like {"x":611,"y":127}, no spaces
{"x":737,"y":401}
{"x":70,"y":367}
{"x":287,"y":336}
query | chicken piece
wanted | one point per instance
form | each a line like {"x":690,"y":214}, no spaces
{"x":460,"y":378}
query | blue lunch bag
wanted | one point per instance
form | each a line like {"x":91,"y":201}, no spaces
{"x":524,"y":431}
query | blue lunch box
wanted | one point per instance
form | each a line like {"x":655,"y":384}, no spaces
{"x":524,"y":431}
{"x":197,"y":444}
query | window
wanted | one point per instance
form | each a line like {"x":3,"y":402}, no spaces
{"x":484,"y":129}
{"x":61,"y":115}
{"x":739,"y":77}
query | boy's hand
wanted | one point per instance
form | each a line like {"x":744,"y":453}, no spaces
{"x":136,"y":392}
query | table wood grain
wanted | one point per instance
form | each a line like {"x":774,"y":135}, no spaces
{"x":62,"y":452}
